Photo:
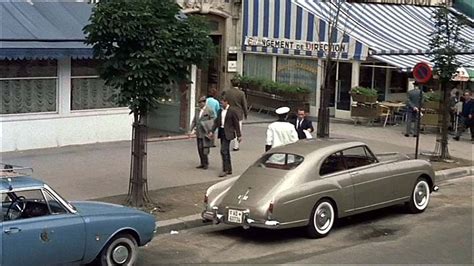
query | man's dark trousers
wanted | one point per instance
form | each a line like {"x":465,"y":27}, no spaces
{"x":203,"y":152}
{"x":225,"y":152}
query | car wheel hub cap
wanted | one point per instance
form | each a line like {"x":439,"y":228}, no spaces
{"x":323,"y":218}
{"x":421,"y":195}
{"x":120,"y":254}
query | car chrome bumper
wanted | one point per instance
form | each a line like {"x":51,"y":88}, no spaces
{"x":214,"y":216}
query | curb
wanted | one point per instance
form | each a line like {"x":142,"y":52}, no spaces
{"x":453,"y":173}
{"x":181,"y":223}
{"x":195,"y":220}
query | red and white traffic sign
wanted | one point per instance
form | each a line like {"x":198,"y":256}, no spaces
{"x":422,"y":72}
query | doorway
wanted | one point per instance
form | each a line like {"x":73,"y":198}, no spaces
{"x":209,"y":76}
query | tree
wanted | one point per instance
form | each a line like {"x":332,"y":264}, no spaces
{"x":446,"y":42}
{"x":144,"y":46}
{"x":334,"y":24}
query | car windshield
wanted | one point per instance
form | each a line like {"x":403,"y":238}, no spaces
{"x":284,"y":161}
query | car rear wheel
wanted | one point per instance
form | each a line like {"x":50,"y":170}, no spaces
{"x":121,"y":250}
{"x":420,"y":196}
{"x":322,"y":219}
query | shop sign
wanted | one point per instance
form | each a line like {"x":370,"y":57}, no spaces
{"x":296,"y":45}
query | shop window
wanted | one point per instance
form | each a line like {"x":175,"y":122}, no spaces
{"x":298,"y":72}
{"x":398,"y":81}
{"x":88,"y":91}
{"x":374,"y":76}
{"x":28,"y":86}
{"x":260,"y":66}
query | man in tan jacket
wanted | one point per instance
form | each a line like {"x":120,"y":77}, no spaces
{"x":236,"y":99}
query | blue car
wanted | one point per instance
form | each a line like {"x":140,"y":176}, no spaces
{"x":39,"y":227}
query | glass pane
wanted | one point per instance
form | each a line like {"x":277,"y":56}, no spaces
{"x":356,"y":157}
{"x":334,"y":163}
{"x":281,"y":161}
{"x":91,"y":93}
{"x":380,"y":75}
{"x":344,"y":83}
{"x":28,"y":96}
{"x":84,"y":67}
{"x":258,"y":66}
{"x":299,"y":72}
{"x":398,"y":81}
{"x":28,"y":68}
{"x":54,"y":205}
{"x":25,"y":204}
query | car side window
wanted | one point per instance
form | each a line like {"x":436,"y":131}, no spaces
{"x":54,"y":206}
{"x":24,"y":204}
{"x":357,"y":157}
{"x":332,"y":164}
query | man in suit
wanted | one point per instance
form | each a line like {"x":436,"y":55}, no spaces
{"x":227,"y":123}
{"x":202,"y":124}
{"x":302,"y":124}
{"x":467,"y":116}
{"x":414,"y":98}
{"x":237,"y":99}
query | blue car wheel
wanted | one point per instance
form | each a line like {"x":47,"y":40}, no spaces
{"x":121,"y":250}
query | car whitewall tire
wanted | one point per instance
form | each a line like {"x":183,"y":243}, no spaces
{"x":322,"y":219}
{"x":420,"y":196}
{"x":121,"y":250}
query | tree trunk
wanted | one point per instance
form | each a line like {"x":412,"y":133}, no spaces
{"x":444,"y":152}
{"x":323,"y":112}
{"x":138,"y":186}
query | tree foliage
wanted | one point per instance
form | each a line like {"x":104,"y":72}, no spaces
{"x":446,"y":42}
{"x":145,"y":45}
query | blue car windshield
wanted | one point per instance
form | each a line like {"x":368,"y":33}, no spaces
{"x":284,"y":161}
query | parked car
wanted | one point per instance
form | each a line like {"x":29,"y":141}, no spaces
{"x":39,"y":227}
{"x":312,"y":182}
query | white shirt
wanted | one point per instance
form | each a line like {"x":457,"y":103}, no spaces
{"x":281,"y":133}
{"x":223,"y":114}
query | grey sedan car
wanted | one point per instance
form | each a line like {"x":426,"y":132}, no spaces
{"x":313,"y":182}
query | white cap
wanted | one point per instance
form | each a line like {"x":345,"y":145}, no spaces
{"x":282,"y":110}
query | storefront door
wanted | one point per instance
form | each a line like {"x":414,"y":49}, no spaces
{"x":343,"y":87}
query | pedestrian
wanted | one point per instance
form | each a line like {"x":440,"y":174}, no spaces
{"x":413,"y":110}
{"x":453,"y":103}
{"x":214,"y":104}
{"x":236,"y":98}
{"x":280,"y":132}
{"x":467,"y":116}
{"x":212,"y":101}
{"x":303,"y":126}
{"x":202,"y":124}
{"x":227,"y":124}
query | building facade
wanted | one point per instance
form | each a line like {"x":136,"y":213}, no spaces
{"x":374,"y":45}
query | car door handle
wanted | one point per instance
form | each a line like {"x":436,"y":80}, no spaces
{"x":354,"y":173}
{"x":12,"y":230}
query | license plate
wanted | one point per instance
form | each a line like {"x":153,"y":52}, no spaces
{"x":235,"y":216}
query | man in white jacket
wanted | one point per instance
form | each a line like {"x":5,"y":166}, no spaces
{"x":281,"y":132}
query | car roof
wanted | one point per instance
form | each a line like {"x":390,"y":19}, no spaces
{"x":19,"y":182}
{"x":306,"y":147}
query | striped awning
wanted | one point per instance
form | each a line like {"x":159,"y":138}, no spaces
{"x":407,"y":62}
{"x":281,"y":27}
{"x":396,"y":34}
